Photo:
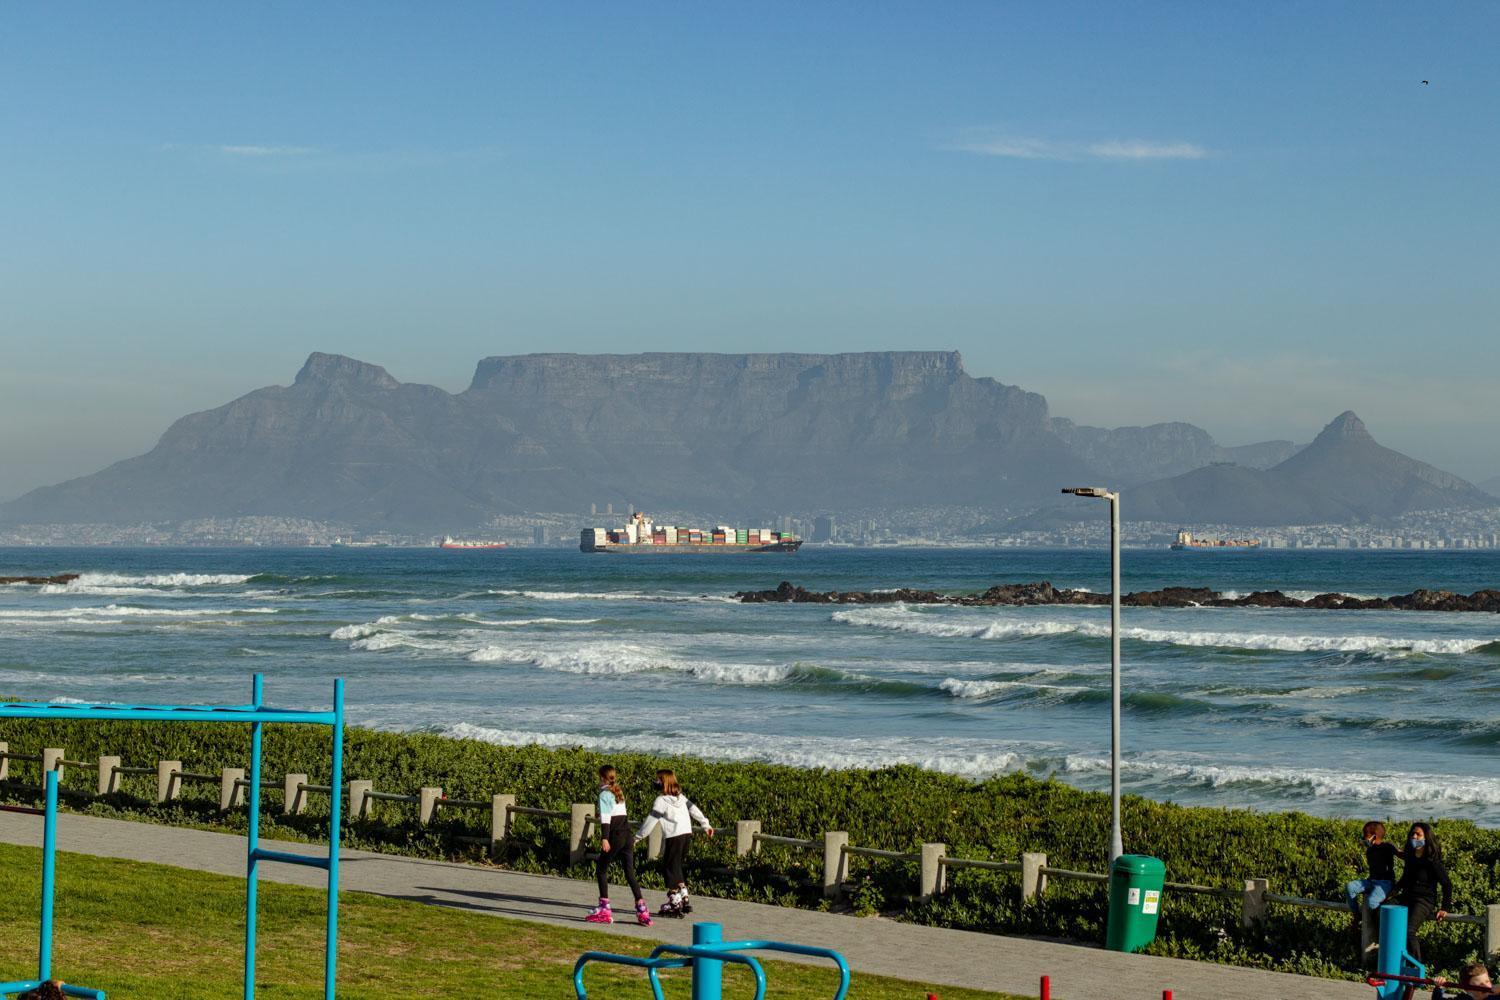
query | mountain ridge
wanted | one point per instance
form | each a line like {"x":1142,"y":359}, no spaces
{"x":1344,"y":476}
{"x":737,"y":433}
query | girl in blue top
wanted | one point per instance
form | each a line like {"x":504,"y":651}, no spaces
{"x":618,"y":843}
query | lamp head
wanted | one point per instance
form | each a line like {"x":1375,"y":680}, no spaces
{"x":1087,"y":491}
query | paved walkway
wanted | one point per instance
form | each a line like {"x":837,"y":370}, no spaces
{"x":930,"y":955}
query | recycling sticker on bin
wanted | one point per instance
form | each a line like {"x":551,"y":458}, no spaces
{"x":1152,"y":902}
{"x":1133,"y":897}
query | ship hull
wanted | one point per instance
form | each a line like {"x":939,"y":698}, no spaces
{"x":783,"y":547}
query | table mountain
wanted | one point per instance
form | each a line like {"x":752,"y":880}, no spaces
{"x":739,"y":434}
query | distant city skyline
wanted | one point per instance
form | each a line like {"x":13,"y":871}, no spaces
{"x":1171,"y":212}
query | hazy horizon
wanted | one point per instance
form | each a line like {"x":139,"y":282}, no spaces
{"x":1171,"y":212}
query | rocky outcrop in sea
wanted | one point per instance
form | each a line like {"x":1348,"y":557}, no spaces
{"x":1025,"y":594}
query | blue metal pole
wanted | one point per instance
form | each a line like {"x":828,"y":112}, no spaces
{"x":1392,"y":948}
{"x":708,"y":973}
{"x":49,"y":875}
{"x":252,"y":838}
{"x":335,"y":835}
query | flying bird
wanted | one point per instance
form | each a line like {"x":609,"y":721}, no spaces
{"x":1424,"y":83}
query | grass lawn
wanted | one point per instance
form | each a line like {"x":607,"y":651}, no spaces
{"x":150,"y":931}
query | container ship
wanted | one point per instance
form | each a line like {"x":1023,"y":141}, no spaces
{"x":1186,"y":540}
{"x":449,"y":542}
{"x":641,"y":534}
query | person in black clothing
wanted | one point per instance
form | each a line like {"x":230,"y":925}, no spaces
{"x":1421,"y":878}
{"x":1380,"y":856}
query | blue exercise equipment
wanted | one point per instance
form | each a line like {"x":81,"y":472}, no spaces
{"x":49,"y":877}
{"x":1395,"y":963}
{"x":256,"y":714}
{"x":706,"y":957}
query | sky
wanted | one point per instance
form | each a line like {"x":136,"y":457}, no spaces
{"x":1247,"y":216}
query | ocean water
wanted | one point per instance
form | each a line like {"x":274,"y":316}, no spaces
{"x":1332,"y":712}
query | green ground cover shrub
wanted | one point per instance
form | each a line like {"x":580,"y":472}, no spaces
{"x":893,"y":808}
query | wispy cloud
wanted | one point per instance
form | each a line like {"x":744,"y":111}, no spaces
{"x":1034,"y":148}
{"x":255,"y":150}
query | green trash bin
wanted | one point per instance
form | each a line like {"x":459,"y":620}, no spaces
{"x":1135,"y":887}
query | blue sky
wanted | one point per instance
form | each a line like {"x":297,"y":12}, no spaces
{"x":1249,"y":216}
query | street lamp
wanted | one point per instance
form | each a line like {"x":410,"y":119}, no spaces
{"x":1116,"y":847}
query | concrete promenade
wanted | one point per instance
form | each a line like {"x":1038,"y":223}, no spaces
{"x":929,"y":955}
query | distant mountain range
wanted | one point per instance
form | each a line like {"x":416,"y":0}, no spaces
{"x":740,"y":434}
{"x":1343,"y":477}
{"x":1491,"y":486}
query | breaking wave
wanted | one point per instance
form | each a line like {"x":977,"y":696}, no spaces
{"x":905,"y":620}
{"x":123,"y":611}
{"x":619,"y":595}
{"x":161,"y":579}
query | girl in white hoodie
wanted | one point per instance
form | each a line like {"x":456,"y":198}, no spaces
{"x":675,"y":813}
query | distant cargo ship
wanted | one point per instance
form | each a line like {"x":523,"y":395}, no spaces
{"x":641,"y":534}
{"x":449,"y":542}
{"x":1186,"y":540}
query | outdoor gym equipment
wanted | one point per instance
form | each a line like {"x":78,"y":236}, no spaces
{"x":49,"y":873}
{"x":1395,"y":967}
{"x":706,"y":957}
{"x":256,"y":714}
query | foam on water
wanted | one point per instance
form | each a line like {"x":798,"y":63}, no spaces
{"x":160,"y":579}
{"x":615,"y":658}
{"x":982,"y":689}
{"x":1389,"y":787}
{"x":122,"y":610}
{"x":903,"y":619}
{"x":618,"y":595}
{"x":952,"y":757}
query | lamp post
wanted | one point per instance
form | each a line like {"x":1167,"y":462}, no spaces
{"x":1116,"y":847}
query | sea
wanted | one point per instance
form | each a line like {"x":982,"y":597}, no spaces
{"x":1341,"y":713}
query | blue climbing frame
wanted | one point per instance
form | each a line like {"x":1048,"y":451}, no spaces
{"x":706,"y":957}
{"x":256,"y":715}
{"x":49,"y":875}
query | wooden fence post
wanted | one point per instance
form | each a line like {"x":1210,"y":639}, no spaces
{"x":230,"y":792}
{"x":1253,"y":907}
{"x":109,"y":781}
{"x":293,"y":799}
{"x":500,"y":806}
{"x":744,"y":837}
{"x":427,"y":799}
{"x":168,"y":787}
{"x":931,"y":882}
{"x":580,"y":815}
{"x":4,"y":760}
{"x":359,"y":803}
{"x":835,"y":869}
{"x":1492,"y":930}
{"x":50,"y":762}
{"x":1033,"y":882}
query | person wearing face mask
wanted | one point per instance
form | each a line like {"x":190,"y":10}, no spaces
{"x":1380,"y":859}
{"x":1421,"y":879}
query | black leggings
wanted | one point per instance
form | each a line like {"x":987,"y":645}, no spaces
{"x":674,"y":852}
{"x":1418,"y":912}
{"x":622,"y":848}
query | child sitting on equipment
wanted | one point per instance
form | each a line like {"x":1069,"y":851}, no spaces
{"x":1380,"y":859}
{"x":1474,"y":982}
{"x":50,"y":990}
